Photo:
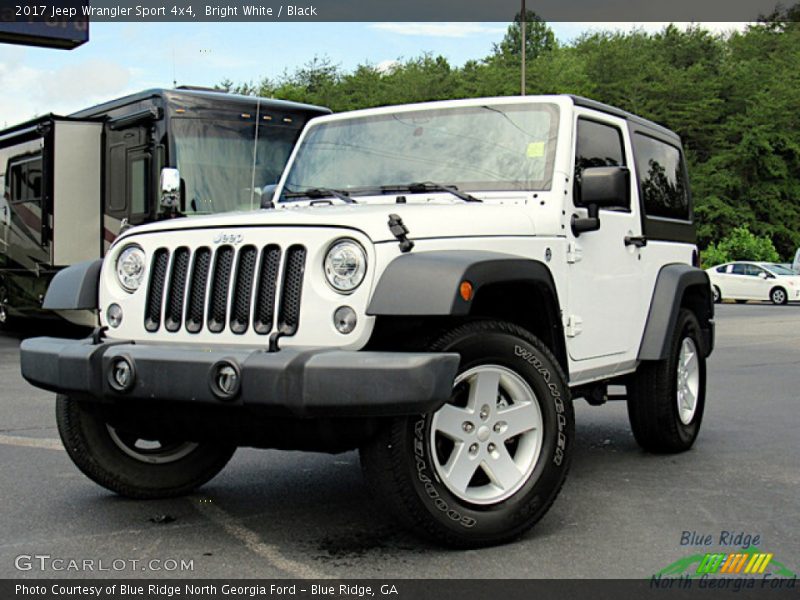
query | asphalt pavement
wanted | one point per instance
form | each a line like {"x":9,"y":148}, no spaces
{"x":269,"y":514}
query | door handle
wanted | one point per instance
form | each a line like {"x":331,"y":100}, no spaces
{"x":636,"y":240}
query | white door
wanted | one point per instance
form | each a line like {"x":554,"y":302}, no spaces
{"x":606,"y":307}
{"x":721,"y":279}
{"x":758,"y":283}
{"x":737,"y":284}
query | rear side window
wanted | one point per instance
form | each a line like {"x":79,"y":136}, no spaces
{"x":722,"y":269}
{"x":660,"y":171}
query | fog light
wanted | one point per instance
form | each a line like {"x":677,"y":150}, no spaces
{"x":121,"y":376}
{"x":114,"y":315}
{"x":344,"y":319}
{"x":225,"y":380}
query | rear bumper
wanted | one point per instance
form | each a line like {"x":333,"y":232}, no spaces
{"x":307,"y":383}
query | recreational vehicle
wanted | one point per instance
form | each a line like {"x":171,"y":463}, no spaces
{"x":71,"y":184}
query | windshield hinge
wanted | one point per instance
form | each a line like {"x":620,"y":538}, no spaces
{"x":574,"y":252}
{"x":573,"y":326}
{"x":400,"y":231}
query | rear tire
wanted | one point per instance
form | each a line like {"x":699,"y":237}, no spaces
{"x":123,"y":463}
{"x":666,"y":398}
{"x":486,"y":466}
{"x":778,"y":296}
{"x":717,"y":295}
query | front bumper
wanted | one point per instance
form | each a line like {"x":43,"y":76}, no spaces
{"x":309,"y":383}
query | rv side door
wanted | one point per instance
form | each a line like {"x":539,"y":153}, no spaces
{"x":128,"y":179}
{"x":75,"y":203}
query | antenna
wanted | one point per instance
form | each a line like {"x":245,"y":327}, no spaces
{"x":523,"y":27}
{"x":174,"y":76}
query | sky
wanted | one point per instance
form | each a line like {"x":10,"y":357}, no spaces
{"x":122,"y":58}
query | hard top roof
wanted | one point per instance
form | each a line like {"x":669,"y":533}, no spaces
{"x":618,"y":112}
{"x":209,"y":95}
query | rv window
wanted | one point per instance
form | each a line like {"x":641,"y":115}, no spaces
{"x":216,"y":161}
{"x":138,"y":185}
{"x":115,"y":198}
{"x":26,"y":180}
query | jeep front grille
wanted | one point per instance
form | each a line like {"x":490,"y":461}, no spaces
{"x":225,"y":289}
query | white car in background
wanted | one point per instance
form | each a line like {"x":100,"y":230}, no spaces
{"x":743,"y":281}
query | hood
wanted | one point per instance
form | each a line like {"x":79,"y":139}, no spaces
{"x":422,"y":220}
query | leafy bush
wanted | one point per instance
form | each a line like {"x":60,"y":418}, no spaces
{"x":713,"y":255}
{"x":740,"y":244}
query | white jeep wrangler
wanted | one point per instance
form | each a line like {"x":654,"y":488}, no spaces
{"x":433,"y":285}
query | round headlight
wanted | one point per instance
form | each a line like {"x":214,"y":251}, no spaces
{"x":130,"y":268}
{"x":345,"y":265}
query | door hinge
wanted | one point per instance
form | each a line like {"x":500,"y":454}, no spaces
{"x":574,"y":252}
{"x":573,"y":326}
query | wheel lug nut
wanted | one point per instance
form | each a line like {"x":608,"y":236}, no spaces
{"x":491,"y":448}
{"x":468,"y":427}
{"x":497,"y":427}
{"x":473,"y":449}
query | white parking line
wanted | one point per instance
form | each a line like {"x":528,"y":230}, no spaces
{"x":29,"y":442}
{"x":229,"y":523}
{"x":253,"y":542}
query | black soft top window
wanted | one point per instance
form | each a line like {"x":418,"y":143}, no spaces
{"x":662,"y":181}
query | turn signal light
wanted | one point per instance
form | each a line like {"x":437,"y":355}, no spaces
{"x":465,"y":291}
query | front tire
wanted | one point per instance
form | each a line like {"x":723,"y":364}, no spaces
{"x":122,"y":462}
{"x":778,"y":296}
{"x":486,"y":466}
{"x":666,"y":398}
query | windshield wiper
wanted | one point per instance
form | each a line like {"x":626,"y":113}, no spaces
{"x":429,"y":186}
{"x":321,"y":193}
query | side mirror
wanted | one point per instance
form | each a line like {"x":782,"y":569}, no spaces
{"x":605,"y":187}
{"x":268,"y":195}
{"x":763,"y":275}
{"x":170,"y":188}
{"x":601,"y":187}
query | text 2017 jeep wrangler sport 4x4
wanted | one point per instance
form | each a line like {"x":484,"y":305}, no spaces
{"x":433,"y":286}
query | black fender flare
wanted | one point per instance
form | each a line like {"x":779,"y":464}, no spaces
{"x":427,"y":283}
{"x":75,"y":288}
{"x":672,"y":282}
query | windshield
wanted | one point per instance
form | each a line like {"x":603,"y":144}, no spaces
{"x":780,"y":270}
{"x":215,"y":159}
{"x":501,"y":147}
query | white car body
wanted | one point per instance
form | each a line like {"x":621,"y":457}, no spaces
{"x":440,"y":326}
{"x":604,"y":286}
{"x":744,"y":280}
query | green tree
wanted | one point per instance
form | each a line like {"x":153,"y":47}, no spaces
{"x":539,"y":38}
{"x":734,"y":98}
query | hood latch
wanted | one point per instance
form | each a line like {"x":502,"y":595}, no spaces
{"x":400,"y":231}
